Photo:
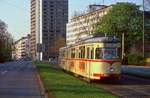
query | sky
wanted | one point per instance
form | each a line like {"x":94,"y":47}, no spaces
{"x":16,"y":13}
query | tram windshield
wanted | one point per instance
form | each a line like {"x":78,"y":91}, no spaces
{"x":110,"y":53}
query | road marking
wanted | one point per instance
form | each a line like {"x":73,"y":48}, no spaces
{"x":4,"y":72}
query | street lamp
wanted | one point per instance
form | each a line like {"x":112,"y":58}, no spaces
{"x":143,"y":30}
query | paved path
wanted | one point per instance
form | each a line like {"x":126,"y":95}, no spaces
{"x":128,"y":87}
{"x":19,"y":80}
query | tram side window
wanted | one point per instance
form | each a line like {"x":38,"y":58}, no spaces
{"x":66,"y":54}
{"x":69,"y":53}
{"x":63,"y":54}
{"x":82,"y":52}
{"x":98,"y":53}
{"x":76,"y":53}
{"x":79,"y":55}
{"x":79,"y":52}
{"x":92,"y":53}
{"x":72,"y":53}
{"x":119,"y":52}
{"x":88,"y":53}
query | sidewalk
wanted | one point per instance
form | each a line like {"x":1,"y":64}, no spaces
{"x":139,"y":71}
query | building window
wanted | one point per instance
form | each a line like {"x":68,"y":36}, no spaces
{"x":51,"y":31}
{"x":51,"y":13}
{"x":51,"y":6}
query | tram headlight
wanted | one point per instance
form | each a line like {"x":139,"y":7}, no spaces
{"x":111,"y":69}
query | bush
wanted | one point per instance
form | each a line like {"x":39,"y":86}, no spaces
{"x":135,"y":58}
{"x":5,"y":54}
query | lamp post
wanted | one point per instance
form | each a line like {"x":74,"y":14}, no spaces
{"x":143,"y":30}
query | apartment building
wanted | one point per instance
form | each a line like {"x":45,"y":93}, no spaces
{"x":48,"y":27}
{"x":83,"y":25}
{"x":22,"y":48}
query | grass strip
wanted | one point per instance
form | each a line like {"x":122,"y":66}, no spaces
{"x":63,"y":85}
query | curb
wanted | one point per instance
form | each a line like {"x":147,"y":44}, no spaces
{"x":42,"y":89}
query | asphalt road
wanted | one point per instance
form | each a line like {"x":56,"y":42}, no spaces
{"x":19,"y":80}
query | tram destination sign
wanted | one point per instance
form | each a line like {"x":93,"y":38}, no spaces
{"x":112,"y":45}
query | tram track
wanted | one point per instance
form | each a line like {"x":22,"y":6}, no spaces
{"x":127,"y":87}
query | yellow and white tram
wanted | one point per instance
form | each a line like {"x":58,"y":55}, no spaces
{"x":93,"y":58}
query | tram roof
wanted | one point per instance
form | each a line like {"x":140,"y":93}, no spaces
{"x":104,"y":39}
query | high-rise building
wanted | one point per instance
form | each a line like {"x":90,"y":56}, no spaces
{"x":48,"y":26}
{"x":35,"y":13}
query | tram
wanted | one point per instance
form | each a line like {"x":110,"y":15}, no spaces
{"x":93,"y":58}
